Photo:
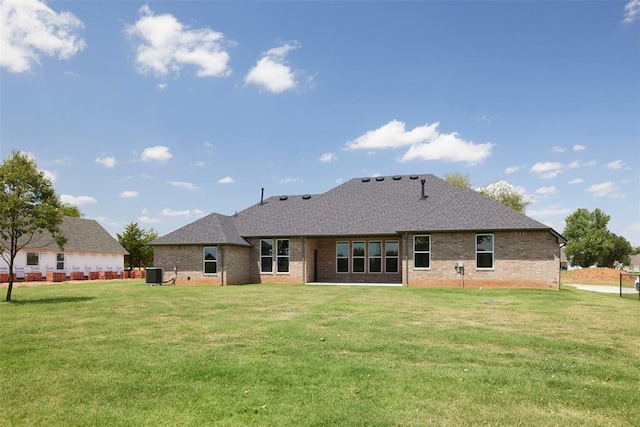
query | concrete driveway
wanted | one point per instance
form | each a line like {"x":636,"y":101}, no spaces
{"x":603,"y":288}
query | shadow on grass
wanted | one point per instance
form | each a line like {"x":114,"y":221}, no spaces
{"x":56,"y":300}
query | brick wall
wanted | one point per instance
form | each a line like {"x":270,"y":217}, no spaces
{"x":521,"y":259}
{"x":297,"y":265}
{"x":326,"y":261}
{"x":188,"y":260}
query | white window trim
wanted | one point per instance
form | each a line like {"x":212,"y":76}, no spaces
{"x":205,"y":261}
{"x":363,"y":257}
{"x":492,"y":252}
{"x":396,"y":257}
{"x":266,"y":256}
{"x":348,"y":257}
{"x":421,"y":252}
{"x":369,"y":257}
{"x":275,"y":258}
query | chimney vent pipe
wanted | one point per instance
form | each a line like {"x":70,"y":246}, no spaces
{"x":423,"y":196}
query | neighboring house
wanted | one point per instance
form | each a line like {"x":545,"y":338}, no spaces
{"x":407,"y":230}
{"x":564,"y":261}
{"x":634,"y":264}
{"x":89,"y":249}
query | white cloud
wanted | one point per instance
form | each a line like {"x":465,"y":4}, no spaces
{"x":547,"y":169}
{"x":546,"y":191}
{"x":328,"y":157}
{"x":271,"y":72}
{"x":162,"y":86}
{"x":576,"y":181}
{"x":106,"y":161}
{"x":77,"y":200}
{"x":184,"y":185}
{"x":148,"y":220}
{"x":559,"y":149}
{"x":605,"y":189}
{"x":511,"y":169}
{"x":486,"y":118}
{"x":631,"y":11}
{"x":198,"y":212}
{"x":226,"y":180}
{"x":51,"y":176}
{"x":590,"y":163}
{"x":30,"y":29}
{"x":578,"y":147}
{"x":550,"y":212}
{"x":171,"y":212}
{"x":164,"y":45}
{"x":425,"y":143}
{"x":574,"y":164}
{"x":616,"y":164}
{"x":158,"y":153}
{"x":290,"y":180}
{"x":129,"y":194}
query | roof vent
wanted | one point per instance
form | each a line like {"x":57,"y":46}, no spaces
{"x":413,"y":176}
{"x":306,"y":197}
{"x":424,"y":195}
{"x":366,"y":179}
{"x":379,"y":178}
{"x":397,"y":178}
{"x":284,"y":197}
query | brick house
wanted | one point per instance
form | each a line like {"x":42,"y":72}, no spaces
{"x":409,"y":230}
{"x":90,"y":252}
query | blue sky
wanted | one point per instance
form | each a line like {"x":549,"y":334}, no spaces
{"x":162,"y":112}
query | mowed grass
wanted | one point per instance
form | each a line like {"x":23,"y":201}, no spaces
{"x":126,"y":354}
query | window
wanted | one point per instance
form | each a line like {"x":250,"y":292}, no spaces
{"x":421,"y":251}
{"x":357,"y":254}
{"x":283,"y":256}
{"x":375,"y":257}
{"x":484,"y":250}
{"x":391,"y":254}
{"x":342,"y":257}
{"x":33,"y":258}
{"x":266,"y":256}
{"x":60,"y":262}
{"x":210,"y":259}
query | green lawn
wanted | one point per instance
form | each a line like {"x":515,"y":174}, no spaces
{"x":126,"y":354}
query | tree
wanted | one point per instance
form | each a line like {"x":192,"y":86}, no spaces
{"x":507,"y":194}
{"x":134,"y":239}
{"x":590,"y":242}
{"x":29,"y":206}
{"x":70,"y":210}
{"x":458,"y":179}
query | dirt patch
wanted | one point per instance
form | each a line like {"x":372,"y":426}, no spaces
{"x":599,"y":275}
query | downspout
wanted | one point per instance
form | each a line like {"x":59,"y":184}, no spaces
{"x":221,"y":266}
{"x":406,"y":257}
{"x":560,"y":246}
{"x":304,"y":260}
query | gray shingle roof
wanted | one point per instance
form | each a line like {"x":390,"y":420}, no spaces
{"x":211,"y":229}
{"x":369,"y":206}
{"x":83,"y":235}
